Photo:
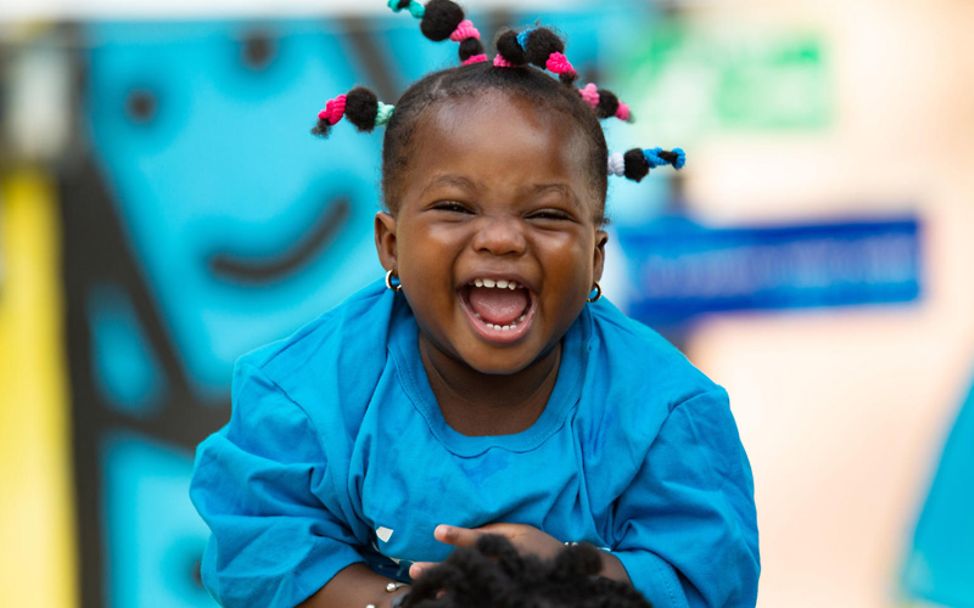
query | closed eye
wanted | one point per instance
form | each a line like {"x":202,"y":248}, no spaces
{"x":550,"y":214}
{"x":451,"y":206}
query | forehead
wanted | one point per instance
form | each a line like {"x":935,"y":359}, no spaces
{"x":501,"y":140}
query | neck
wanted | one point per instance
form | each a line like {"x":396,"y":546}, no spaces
{"x":479,"y":404}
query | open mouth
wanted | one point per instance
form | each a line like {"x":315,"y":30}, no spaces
{"x":500,"y":310}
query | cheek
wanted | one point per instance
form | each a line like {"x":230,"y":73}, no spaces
{"x":568,"y":256}
{"x":427,"y":259}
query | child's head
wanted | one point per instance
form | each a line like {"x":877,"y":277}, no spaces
{"x":494,"y":179}
{"x":493,"y":574}
{"x":494,"y":182}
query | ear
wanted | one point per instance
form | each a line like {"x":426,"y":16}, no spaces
{"x":601,"y":238}
{"x":385,"y":239}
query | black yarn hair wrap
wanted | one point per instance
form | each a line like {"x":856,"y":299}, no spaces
{"x":608,"y":104}
{"x":669,"y":156}
{"x":441,"y":19}
{"x":493,"y":574}
{"x":321,"y":128}
{"x":637,"y":167}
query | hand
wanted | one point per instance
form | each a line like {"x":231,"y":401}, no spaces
{"x":528,"y":540}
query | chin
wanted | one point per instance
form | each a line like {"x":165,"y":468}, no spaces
{"x":503,"y":362}
{"x":500,"y":369}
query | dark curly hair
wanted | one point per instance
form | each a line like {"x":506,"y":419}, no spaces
{"x":494,"y":575}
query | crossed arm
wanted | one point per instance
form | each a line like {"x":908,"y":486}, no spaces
{"x":683,"y":532}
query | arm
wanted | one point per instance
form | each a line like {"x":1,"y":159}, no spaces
{"x":257,"y":484}
{"x":685,"y":529}
{"x":356,"y":586}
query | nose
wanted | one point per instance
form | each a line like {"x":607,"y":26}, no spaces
{"x":500,"y":236}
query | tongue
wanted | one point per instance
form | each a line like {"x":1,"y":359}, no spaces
{"x":499,"y":306}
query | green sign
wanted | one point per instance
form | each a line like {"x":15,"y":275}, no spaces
{"x":688,"y":78}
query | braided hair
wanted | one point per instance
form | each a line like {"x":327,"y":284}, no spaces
{"x":494,"y":575}
{"x":512,"y":73}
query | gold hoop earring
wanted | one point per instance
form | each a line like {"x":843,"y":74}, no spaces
{"x":598,"y":294}
{"x":393,"y":282}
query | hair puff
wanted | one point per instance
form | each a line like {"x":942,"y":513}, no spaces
{"x":441,"y":19}
{"x":510,"y":49}
{"x":540,"y":44}
{"x":637,"y":167}
{"x":470,"y":47}
{"x":608,"y":104}
{"x":361,"y":108}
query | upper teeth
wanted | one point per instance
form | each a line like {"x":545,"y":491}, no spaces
{"x":491,"y":283}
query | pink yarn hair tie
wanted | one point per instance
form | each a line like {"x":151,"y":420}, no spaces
{"x":623,"y":112}
{"x":465,"y":31}
{"x":590,"y":93}
{"x":559,"y":64}
{"x":500,"y":62}
{"x":476,"y":59}
{"x":334,"y":110}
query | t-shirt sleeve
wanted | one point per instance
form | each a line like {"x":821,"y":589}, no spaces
{"x":685,"y":529}
{"x":256,"y":484}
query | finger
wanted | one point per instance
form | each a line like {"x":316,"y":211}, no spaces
{"x":419,"y":568}
{"x":457,"y":536}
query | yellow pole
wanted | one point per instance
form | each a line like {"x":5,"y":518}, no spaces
{"x":37,"y":557}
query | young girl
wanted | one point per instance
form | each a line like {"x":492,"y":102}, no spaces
{"x":484,"y":387}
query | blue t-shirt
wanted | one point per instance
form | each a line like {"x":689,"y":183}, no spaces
{"x":337,"y":453}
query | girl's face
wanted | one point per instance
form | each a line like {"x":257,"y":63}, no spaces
{"x":496,"y":237}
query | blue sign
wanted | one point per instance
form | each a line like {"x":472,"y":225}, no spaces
{"x":681,"y":269}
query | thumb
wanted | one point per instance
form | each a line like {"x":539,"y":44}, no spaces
{"x":457,"y":536}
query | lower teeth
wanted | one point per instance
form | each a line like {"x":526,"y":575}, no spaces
{"x":502,"y":328}
{"x":510,"y":327}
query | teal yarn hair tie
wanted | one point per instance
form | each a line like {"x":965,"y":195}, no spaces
{"x":384,"y":113}
{"x":653,"y":157}
{"x":658,"y":157}
{"x":416,"y":9}
{"x":681,"y":158}
{"x":522,"y":38}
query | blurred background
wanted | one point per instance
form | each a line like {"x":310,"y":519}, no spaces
{"x":163,"y":209}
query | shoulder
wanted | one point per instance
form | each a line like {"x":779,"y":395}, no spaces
{"x":635,"y":380}
{"x":320,"y":359}
{"x":642,"y":393}
{"x":635,"y":356}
